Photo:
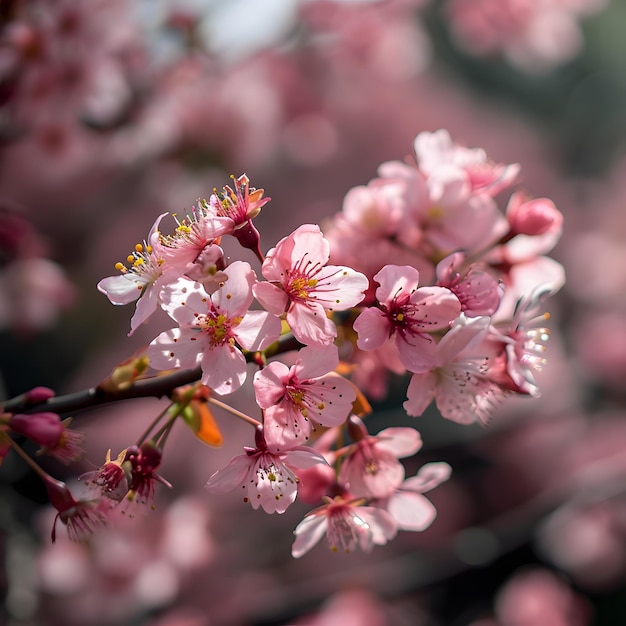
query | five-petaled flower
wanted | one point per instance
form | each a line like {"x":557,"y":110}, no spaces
{"x":212,"y":327}
{"x":268,"y":478}
{"x":408,"y":314}
{"x":347,"y":524}
{"x":298,"y":398}
{"x":302,"y":285}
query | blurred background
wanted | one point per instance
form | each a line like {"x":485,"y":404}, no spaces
{"x":114,"y":111}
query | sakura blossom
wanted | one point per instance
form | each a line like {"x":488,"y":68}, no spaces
{"x":268,"y":478}
{"x":410,"y":509}
{"x":409,"y":314}
{"x":301,"y":285}
{"x":370,"y":467}
{"x":141,"y":281}
{"x":240,"y":206}
{"x":347,"y":525}
{"x":458,"y":377}
{"x":533,"y":36}
{"x":298,"y":399}
{"x":212,"y":327}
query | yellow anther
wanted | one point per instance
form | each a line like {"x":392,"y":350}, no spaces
{"x":130,"y":258}
{"x":400,"y":317}
{"x":138,"y":247}
{"x":120,"y":267}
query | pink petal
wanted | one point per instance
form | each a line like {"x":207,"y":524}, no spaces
{"x":175,"y":349}
{"x":303,"y":458}
{"x":428,"y":477}
{"x":381,"y":524}
{"x":436,"y":307}
{"x":341,"y":287}
{"x":309,"y":324}
{"x":269,"y":384}
{"x":314,"y":361}
{"x":373,"y":329}
{"x":146,"y":306}
{"x":395,"y":280}
{"x":399,"y":441}
{"x":420,"y":393}
{"x":223,"y":369}
{"x":411,"y":511}
{"x":417,"y":353}
{"x":308,"y":533}
{"x":466,"y":333}
{"x":257,"y":330}
{"x":229,"y":477}
{"x":235,"y":296}
{"x":272,"y":298}
{"x":121,"y":289}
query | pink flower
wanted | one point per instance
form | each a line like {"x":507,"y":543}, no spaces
{"x":110,"y":480}
{"x":212,"y":327}
{"x":193,"y":234}
{"x":82,"y":517}
{"x":457,"y":379}
{"x":409,"y":508}
{"x":268,"y":477}
{"x":347,"y":525}
{"x":536,"y":227}
{"x":478,"y":291}
{"x":437,"y":151}
{"x":240,"y":206}
{"x":142,"y":280}
{"x":523,"y":342}
{"x":304,"y":287}
{"x":370,"y":467}
{"x":408,"y":314}
{"x":53,"y":435}
{"x":143,"y":461}
{"x":297,"y":398}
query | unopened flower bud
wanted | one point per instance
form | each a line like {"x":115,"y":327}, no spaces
{"x":45,"y":428}
{"x":533,"y":216}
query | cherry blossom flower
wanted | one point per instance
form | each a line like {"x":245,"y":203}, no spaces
{"x":268,"y":478}
{"x":536,"y":227}
{"x":240,"y":206}
{"x":410,"y":509}
{"x":478,"y":291}
{"x":437,"y":151}
{"x":212,"y":327}
{"x":347,"y":525}
{"x":523,"y":343}
{"x":304,"y":287}
{"x":534,"y":36}
{"x":458,"y":377}
{"x":296,"y":399}
{"x":141,"y":281}
{"x":112,"y":479}
{"x":193,"y":235}
{"x":144,"y":461}
{"x":47,"y":430}
{"x":407,"y":313}
{"x":370,"y":466}
{"x":82,"y":517}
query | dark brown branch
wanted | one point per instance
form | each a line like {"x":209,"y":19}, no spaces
{"x":154,"y":387}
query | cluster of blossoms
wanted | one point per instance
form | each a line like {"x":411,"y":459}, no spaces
{"x":458,"y":312}
{"x":534,"y":35}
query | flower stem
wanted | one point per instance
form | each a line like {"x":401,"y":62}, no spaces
{"x":235,"y":412}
